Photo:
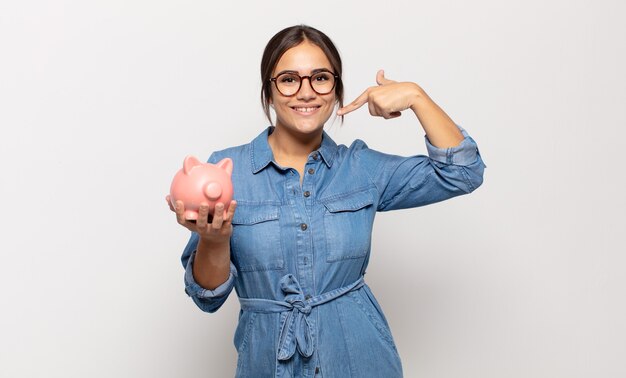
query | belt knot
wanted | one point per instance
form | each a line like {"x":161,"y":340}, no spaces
{"x":300,"y":305}
{"x":296,"y":331}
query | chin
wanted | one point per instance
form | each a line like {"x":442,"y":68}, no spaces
{"x":309,"y":127}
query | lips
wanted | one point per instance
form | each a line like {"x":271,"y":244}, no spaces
{"x":305,"y":109}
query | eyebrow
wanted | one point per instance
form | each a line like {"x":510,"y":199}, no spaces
{"x":313,"y":72}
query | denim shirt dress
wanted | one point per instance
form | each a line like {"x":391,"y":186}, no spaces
{"x":299,"y":252}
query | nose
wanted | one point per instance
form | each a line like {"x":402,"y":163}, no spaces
{"x":306,"y":91}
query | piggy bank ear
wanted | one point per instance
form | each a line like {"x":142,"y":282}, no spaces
{"x":189,"y":163}
{"x":227,"y":165}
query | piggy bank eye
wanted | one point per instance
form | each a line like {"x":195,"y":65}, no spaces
{"x":213,"y":191}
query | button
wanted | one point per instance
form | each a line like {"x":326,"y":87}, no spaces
{"x":311,"y":171}
{"x":316,"y":155}
{"x":307,"y":193}
{"x":307,"y":297}
{"x":303,"y":226}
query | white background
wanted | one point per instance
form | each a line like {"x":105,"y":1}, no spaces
{"x":101,"y":100}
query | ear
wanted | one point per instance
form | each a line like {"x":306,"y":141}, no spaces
{"x":227,"y":165}
{"x":190,"y":162}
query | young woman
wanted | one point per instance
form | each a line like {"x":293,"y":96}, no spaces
{"x":297,"y":245}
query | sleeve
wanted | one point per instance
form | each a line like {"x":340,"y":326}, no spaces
{"x":405,"y":182}
{"x":207,"y":300}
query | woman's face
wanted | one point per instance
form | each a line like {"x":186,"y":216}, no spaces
{"x":305,"y":112}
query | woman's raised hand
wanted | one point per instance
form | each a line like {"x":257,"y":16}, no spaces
{"x":217,"y":231}
{"x":387,"y":99}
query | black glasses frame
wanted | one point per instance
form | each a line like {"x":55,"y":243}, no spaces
{"x":302,"y":80}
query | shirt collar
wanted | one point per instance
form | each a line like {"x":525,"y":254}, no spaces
{"x":261,"y":153}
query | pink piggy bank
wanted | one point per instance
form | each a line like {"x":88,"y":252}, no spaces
{"x":199,"y":182}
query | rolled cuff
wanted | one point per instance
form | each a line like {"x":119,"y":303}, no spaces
{"x":463,"y":154}
{"x":194,"y":290}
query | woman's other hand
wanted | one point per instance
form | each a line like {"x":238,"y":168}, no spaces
{"x":387,"y":99}
{"x":390,"y":97}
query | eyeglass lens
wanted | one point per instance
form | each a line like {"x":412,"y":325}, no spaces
{"x":289,"y":83}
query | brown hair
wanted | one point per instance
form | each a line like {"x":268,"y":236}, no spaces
{"x":283,"y":41}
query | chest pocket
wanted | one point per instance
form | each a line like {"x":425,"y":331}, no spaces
{"x":348,"y":224}
{"x":256,"y":243}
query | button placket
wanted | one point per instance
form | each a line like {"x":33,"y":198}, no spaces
{"x":306,"y":193}
{"x":307,"y":184}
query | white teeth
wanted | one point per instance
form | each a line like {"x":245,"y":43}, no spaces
{"x":305,"y":110}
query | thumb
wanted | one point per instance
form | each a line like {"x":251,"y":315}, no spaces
{"x":380,"y":78}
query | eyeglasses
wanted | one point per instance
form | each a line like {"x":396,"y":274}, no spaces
{"x":289,"y":83}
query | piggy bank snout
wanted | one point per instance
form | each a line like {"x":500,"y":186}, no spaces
{"x":213,"y":191}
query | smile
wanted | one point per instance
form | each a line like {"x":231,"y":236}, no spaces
{"x":305,"y":110}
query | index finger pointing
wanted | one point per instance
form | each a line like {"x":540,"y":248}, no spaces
{"x":354,"y":105}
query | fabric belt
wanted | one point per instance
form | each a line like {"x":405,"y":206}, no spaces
{"x":296,"y":330}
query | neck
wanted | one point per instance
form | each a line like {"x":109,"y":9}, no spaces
{"x":289,"y":145}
